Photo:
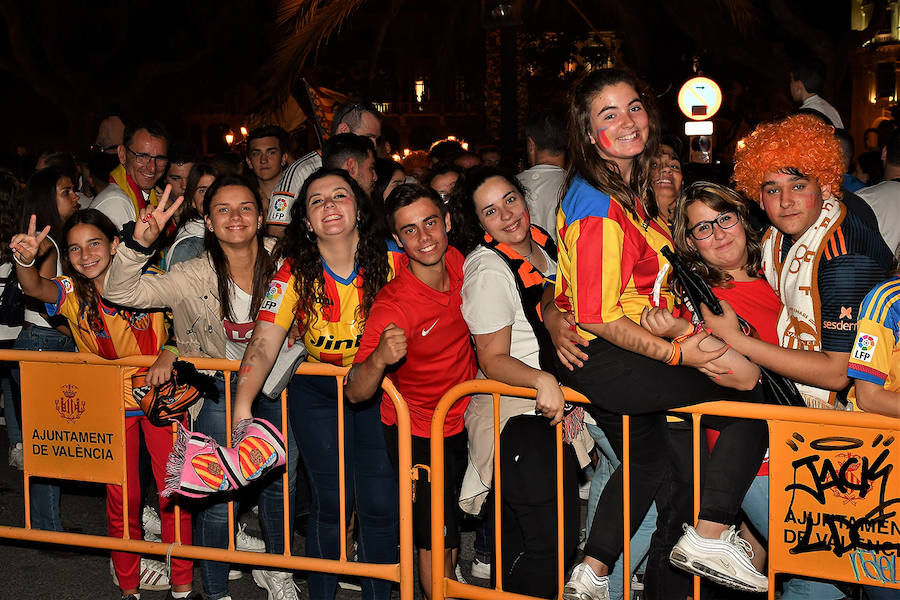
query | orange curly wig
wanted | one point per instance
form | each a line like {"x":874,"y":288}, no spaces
{"x":802,"y":142}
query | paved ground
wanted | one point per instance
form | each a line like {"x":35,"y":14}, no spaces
{"x":41,"y":572}
{"x":38,"y":572}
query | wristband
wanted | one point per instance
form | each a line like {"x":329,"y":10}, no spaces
{"x":171,"y":349}
{"x":129,"y":241}
{"x":21,"y":264}
{"x":675,"y":358}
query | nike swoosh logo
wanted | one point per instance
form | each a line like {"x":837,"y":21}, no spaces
{"x":427,"y":331}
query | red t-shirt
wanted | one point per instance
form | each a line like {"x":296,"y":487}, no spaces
{"x":758,"y":304}
{"x":438,"y":351}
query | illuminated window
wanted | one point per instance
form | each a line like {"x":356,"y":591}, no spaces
{"x":420,"y":90}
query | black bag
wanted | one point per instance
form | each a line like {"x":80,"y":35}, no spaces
{"x":12,"y":301}
{"x":694,"y":291}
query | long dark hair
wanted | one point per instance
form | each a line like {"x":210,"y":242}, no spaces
{"x":199,"y":169}
{"x":301,"y":248}
{"x":263,"y":268}
{"x":467,"y":232}
{"x":601,"y":173}
{"x":720,"y":199}
{"x":88,"y":297}
{"x":39,"y":198}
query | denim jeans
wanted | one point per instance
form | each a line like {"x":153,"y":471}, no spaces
{"x":313,"y":412}
{"x":756,"y":507}
{"x":11,"y":399}
{"x":211,"y":521}
{"x":44,"y":495}
{"x":640,"y":541}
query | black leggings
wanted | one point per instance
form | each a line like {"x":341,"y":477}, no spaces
{"x":619,"y":382}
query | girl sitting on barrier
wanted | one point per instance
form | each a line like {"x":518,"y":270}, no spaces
{"x":510,"y":262}
{"x":334,"y":264}
{"x":214,"y":299}
{"x":610,"y":272}
{"x":99,"y":328}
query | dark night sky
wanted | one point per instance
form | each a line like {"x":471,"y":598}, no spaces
{"x":64,"y":65}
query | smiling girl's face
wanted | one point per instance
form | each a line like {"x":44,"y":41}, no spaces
{"x":331,"y":207}
{"x":502,"y":211}
{"x":234,"y":215}
{"x":619,"y":124}
{"x":723,"y":248}
{"x":90,"y":252}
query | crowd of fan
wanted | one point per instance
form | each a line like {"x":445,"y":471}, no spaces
{"x":446,"y":267}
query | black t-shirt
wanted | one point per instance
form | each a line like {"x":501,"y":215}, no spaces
{"x":855,"y":259}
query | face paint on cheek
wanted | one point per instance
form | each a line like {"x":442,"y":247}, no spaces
{"x":603,"y":139}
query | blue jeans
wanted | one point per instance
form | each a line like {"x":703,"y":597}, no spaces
{"x":313,"y":413}
{"x":640,"y":541}
{"x":211,"y":522}
{"x":44,"y":496}
{"x":11,"y":399}
{"x":756,"y":507}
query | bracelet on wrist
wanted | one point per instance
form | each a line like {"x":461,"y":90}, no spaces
{"x":675,"y":357}
{"x":21,"y":264}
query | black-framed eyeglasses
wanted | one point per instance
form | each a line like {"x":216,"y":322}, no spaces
{"x":704,"y":229}
{"x":143,"y":159}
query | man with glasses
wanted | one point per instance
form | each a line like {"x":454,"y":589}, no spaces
{"x":361,"y":118}
{"x":143,"y":157}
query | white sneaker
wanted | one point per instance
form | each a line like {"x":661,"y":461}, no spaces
{"x":234,"y":574}
{"x":16,"y":457}
{"x":247,"y":543}
{"x":152,"y":525}
{"x":154,"y":576}
{"x":279,"y":584}
{"x":584,"y":584}
{"x":725,"y":560}
{"x":481,"y":570}
{"x":348,"y":582}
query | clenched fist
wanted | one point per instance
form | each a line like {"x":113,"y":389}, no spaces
{"x":391,"y":345}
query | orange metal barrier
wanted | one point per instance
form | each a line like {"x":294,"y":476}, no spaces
{"x":833,"y":502}
{"x":63,"y":387}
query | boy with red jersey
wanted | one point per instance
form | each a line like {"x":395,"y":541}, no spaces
{"x":417,"y":337}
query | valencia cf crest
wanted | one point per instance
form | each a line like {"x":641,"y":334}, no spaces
{"x":69,"y":406}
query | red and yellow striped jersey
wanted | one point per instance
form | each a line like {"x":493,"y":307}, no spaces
{"x":120,"y":333}
{"x":609,"y":260}
{"x":334,"y":330}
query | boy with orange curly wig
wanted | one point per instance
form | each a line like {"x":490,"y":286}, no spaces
{"x":819,"y":257}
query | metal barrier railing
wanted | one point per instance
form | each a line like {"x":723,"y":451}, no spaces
{"x":52,"y":364}
{"x":850,"y":455}
{"x":840,"y":444}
